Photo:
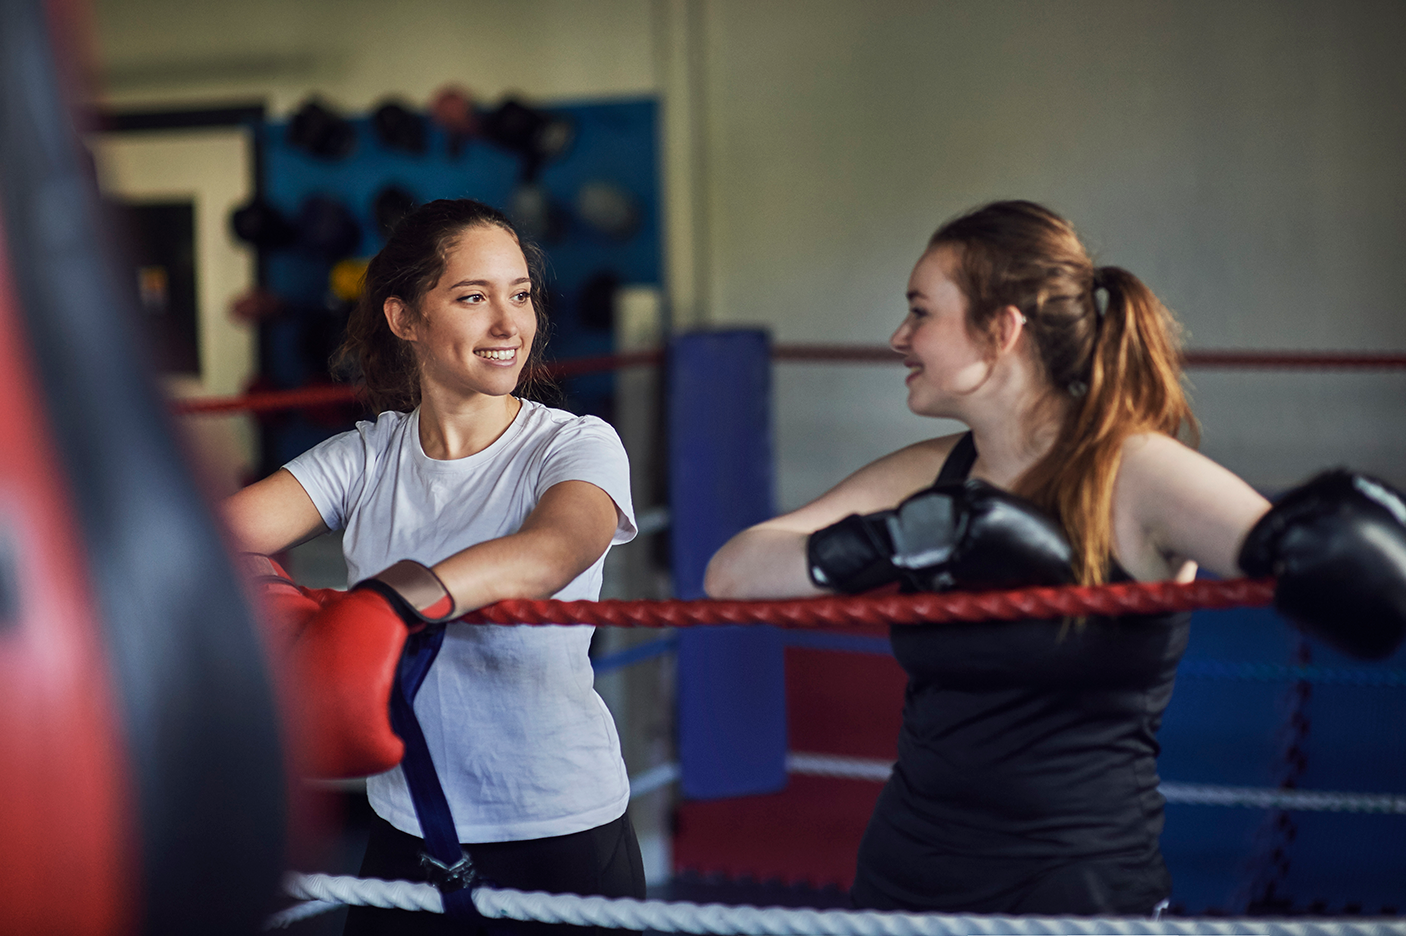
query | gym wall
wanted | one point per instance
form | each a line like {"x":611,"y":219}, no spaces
{"x":1245,"y":159}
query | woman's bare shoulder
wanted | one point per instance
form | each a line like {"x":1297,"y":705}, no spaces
{"x":1157,"y":458}
{"x":1186,"y":504}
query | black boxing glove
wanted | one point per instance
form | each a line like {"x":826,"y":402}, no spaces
{"x":853,"y":555}
{"x":1337,"y":546}
{"x":966,"y":535}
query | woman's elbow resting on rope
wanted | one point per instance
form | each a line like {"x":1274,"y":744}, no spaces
{"x":571,"y":527}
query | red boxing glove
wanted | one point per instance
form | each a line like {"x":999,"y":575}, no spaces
{"x":284,"y":606}
{"x":342,"y":669}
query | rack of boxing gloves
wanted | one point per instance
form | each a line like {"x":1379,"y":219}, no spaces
{"x":580,"y":180}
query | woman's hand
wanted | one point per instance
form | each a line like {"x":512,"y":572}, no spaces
{"x":568,"y":530}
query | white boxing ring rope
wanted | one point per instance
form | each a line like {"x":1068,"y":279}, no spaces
{"x":1191,"y":794}
{"x":324,"y":892}
{"x":683,"y":917}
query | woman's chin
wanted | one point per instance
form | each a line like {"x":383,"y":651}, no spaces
{"x":933,"y":409}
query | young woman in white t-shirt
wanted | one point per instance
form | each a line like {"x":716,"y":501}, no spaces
{"x":498,"y":497}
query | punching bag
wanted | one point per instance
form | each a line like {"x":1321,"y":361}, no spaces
{"x":139,"y":754}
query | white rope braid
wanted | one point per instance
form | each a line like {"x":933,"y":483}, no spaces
{"x":363,"y":892}
{"x":1201,"y":794}
{"x":327,"y":892}
{"x":1192,"y":794}
{"x":308,"y":908}
{"x":844,"y":768}
{"x":624,"y":913}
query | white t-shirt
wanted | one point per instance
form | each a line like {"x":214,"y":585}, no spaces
{"x":522,"y":744}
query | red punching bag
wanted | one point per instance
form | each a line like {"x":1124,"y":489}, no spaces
{"x":140,"y":768}
{"x":65,"y":777}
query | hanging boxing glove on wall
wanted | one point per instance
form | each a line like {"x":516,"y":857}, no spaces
{"x":966,"y":535}
{"x":1337,"y":546}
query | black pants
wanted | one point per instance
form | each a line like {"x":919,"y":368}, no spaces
{"x":604,"y":860}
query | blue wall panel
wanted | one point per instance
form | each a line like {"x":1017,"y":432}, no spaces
{"x":614,"y":141}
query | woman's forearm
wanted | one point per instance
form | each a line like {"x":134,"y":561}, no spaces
{"x":521,"y":565}
{"x":762,"y":562}
{"x":564,"y":535}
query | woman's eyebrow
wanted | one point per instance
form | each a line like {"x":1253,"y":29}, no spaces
{"x":483,"y":282}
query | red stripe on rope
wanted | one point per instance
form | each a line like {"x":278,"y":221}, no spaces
{"x":871,"y":613}
{"x":1296,"y":359}
{"x":1289,"y":360}
{"x":274,"y":400}
{"x":604,"y":362}
{"x":265,"y":401}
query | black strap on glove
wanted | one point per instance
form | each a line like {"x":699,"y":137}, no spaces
{"x":414,"y":591}
{"x":1337,"y":546}
{"x":967,"y":535}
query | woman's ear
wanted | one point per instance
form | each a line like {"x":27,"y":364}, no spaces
{"x":1010,"y":325}
{"x":399,"y":319}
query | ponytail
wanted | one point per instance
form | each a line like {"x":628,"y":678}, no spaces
{"x":1117,"y":361}
{"x":1133,"y":385}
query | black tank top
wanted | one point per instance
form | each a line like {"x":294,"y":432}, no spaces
{"x":1027,"y":765}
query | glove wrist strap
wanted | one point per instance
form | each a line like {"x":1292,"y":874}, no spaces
{"x":417,"y":586}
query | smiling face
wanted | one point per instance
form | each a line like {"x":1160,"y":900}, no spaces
{"x":475,"y":326}
{"x":945,"y":361}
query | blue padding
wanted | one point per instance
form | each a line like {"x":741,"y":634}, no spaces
{"x":1226,"y":725}
{"x":732,"y":711}
{"x":732,"y":693}
{"x":721,"y":474}
{"x":632,"y":655}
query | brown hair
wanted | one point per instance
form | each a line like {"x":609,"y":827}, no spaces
{"x":1118,"y":364}
{"x":408,"y":266}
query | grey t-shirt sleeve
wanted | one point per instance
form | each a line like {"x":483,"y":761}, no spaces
{"x":587,"y":449}
{"x":333,"y":472}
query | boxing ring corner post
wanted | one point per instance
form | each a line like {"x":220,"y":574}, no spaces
{"x":731,"y":680}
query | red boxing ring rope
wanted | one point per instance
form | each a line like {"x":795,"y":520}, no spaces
{"x":867,"y":613}
{"x":273,"y":400}
{"x":1288,"y":360}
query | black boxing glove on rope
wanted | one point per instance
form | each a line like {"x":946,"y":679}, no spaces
{"x":853,"y":555}
{"x":1337,"y":546}
{"x":964,"y":535}
{"x":415,"y":593}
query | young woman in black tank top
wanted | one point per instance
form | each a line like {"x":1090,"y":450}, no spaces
{"x":1026,"y":778}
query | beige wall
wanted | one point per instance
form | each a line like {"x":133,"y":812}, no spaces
{"x":360,"y":51}
{"x":210,"y":169}
{"x":1246,"y":159}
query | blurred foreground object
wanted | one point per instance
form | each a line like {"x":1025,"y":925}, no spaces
{"x":143,"y":779}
